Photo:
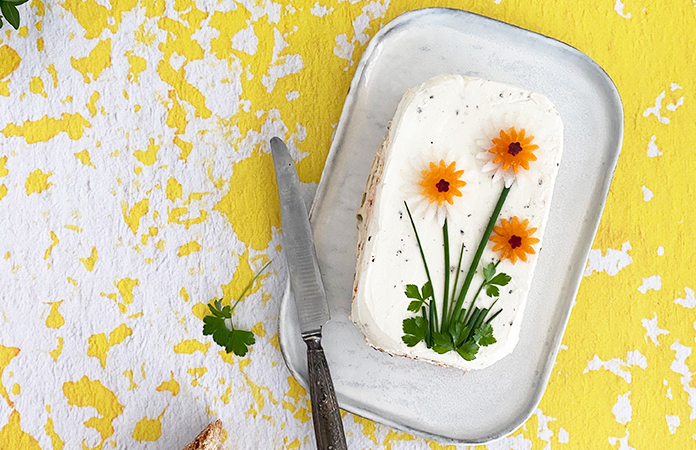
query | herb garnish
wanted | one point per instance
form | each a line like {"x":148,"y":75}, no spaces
{"x":220,"y":325}
{"x":10,"y":12}
{"x":459,"y":329}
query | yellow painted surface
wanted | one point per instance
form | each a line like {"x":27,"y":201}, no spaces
{"x":36,"y":86}
{"x":55,"y":353}
{"x":148,"y":429}
{"x":12,"y":436}
{"x":185,"y":147}
{"x":84,"y":158}
{"x":92,"y":105}
{"x":174,"y":189}
{"x":54,"y":74}
{"x":133,"y":214}
{"x":92,"y":65}
{"x":188,"y":248}
{"x":9,"y":60}
{"x":99,"y":345}
{"x":90,"y":261}
{"x":190,"y":346}
{"x":146,"y":82}
{"x":149,"y":156}
{"x":54,"y":239}
{"x":171,"y":386}
{"x":55,"y":319}
{"x":56,"y":441}
{"x":37,"y":182}
{"x":6,"y":356}
{"x":251,"y":206}
{"x":46,"y":128}
{"x":92,"y":393}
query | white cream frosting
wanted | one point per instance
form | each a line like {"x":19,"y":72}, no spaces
{"x":454,"y":118}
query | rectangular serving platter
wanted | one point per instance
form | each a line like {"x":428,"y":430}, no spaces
{"x":439,"y":403}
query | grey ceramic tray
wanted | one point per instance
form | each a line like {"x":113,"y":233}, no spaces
{"x":442,"y":403}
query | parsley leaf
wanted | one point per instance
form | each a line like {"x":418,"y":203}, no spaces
{"x":492,"y":291}
{"x":468,"y":350}
{"x":502,"y":279}
{"x":219,"y":325}
{"x":415,"y":330}
{"x":489,"y":271}
{"x":484,"y":335}
{"x":427,"y":290}
{"x":442,"y":343}
{"x":413,"y":292}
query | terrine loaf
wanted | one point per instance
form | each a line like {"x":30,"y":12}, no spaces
{"x":452,"y":221}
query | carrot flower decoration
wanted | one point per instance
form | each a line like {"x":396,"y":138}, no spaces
{"x":512,"y":150}
{"x":514,"y":240}
{"x":441,"y":182}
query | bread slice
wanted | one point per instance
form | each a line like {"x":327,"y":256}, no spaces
{"x":455,"y":119}
{"x":208,"y":439}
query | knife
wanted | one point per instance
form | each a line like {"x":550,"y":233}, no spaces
{"x":310,"y":298}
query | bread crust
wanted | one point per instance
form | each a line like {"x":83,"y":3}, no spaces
{"x":208,"y":439}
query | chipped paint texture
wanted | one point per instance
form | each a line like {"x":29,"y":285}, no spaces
{"x":136,"y":185}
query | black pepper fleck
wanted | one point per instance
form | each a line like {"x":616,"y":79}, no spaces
{"x":419,"y":110}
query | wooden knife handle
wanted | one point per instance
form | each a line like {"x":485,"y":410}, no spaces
{"x":326,"y":415}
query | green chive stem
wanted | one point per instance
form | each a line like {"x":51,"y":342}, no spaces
{"x":484,"y":283}
{"x":479,"y":253}
{"x":445,"y":235}
{"x":433,"y":326}
{"x":448,"y":313}
{"x":251,"y":283}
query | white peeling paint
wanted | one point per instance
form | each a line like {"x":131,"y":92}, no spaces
{"x":623,"y":442}
{"x":618,"y":7}
{"x":653,"y":282}
{"x":674,"y":86}
{"x":652,"y":331}
{"x":622,"y":409}
{"x":518,"y":442}
{"x":617,"y":365}
{"x":320,"y":11}
{"x":245,"y":40}
{"x":660,"y":250}
{"x":611,"y":263}
{"x":647,"y":194}
{"x":689,"y":301}
{"x":543,"y":431}
{"x":292,"y":95}
{"x":653,"y":151}
{"x":679,"y":366}
{"x":281,"y":66}
{"x":361,"y":24}
{"x":673,"y":423}
{"x":655,"y":110}
{"x":343,"y":48}
{"x":563,"y":436}
{"x":674,"y":106}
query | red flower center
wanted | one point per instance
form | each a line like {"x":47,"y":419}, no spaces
{"x":514,"y":148}
{"x":442,"y":185}
{"x":515,"y":241}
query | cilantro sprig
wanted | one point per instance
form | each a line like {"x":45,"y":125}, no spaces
{"x":10,"y":12}
{"x":460,"y":329}
{"x":220,"y":326}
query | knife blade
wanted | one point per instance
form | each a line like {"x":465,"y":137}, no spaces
{"x":310,"y":298}
{"x":298,"y":243}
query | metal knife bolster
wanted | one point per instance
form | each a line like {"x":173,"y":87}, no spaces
{"x":305,"y":277}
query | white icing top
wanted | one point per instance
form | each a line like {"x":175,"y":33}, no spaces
{"x":453,"y":118}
